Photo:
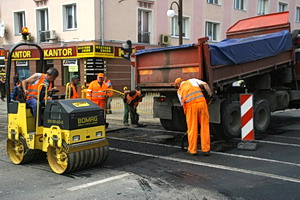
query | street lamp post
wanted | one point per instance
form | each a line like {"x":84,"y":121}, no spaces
{"x":171,"y":13}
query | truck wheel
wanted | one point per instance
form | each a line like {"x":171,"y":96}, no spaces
{"x":231,"y":119}
{"x":262,"y":116}
{"x":179,"y":120}
{"x":167,"y":124}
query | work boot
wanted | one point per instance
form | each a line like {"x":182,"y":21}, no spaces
{"x":206,"y":153}
{"x":126,"y":124}
{"x":135,"y":125}
{"x":191,"y":154}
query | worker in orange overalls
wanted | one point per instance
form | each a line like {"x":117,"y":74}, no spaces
{"x":195,"y":108}
{"x":73,"y":85}
{"x":97,"y":91}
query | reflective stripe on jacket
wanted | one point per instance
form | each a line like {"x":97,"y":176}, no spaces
{"x":190,"y":94}
{"x":95,"y":92}
{"x":33,"y":87}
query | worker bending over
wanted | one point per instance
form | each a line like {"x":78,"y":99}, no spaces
{"x":132,"y":99}
{"x":194,"y":104}
{"x":31,"y":85}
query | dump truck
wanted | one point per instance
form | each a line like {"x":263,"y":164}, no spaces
{"x":260,"y":56}
{"x":70,"y":132}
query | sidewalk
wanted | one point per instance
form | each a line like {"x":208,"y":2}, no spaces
{"x":115,"y":118}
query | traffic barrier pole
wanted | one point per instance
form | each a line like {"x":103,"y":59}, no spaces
{"x":247,"y":128}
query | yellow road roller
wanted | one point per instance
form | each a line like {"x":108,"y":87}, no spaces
{"x":72,"y":133}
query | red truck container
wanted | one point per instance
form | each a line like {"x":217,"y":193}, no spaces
{"x":271,"y":78}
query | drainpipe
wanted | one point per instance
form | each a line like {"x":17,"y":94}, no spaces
{"x":102,"y":21}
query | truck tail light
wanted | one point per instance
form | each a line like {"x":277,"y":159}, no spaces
{"x":161,"y":99}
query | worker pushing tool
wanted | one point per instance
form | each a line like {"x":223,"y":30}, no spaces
{"x":191,"y":97}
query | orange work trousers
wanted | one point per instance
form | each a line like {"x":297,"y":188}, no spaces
{"x":197,"y":114}
{"x":101,"y":103}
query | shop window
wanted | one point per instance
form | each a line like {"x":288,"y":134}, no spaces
{"x":70,"y":68}
{"x":22,"y":68}
{"x":19,"y":22}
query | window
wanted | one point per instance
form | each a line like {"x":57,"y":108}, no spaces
{"x":70,"y":17}
{"x":282,"y":7}
{"x":297,"y":14}
{"x":144,"y":26}
{"x":175,"y":27}
{"x":19,"y":20}
{"x":211,"y":31}
{"x":42,"y":24}
{"x":262,"y":7}
{"x":239,"y":4}
{"x":217,"y":2}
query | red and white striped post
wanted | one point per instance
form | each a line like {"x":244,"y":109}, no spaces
{"x":247,"y":136}
{"x":246,"y":101}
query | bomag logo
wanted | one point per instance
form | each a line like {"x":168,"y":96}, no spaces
{"x":87,"y":120}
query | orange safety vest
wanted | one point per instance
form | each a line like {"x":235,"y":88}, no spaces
{"x":33,"y":87}
{"x":74,"y":92}
{"x":97,"y":93}
{"x":190,"y":94}
{"x":129,"y":99}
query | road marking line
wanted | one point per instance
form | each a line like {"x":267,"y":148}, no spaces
{"x":234,"y":169}
{"x":285,"y":137}
{"x":98,"y":182}
{"x":215,"y":152}
{"x":278,"y":143}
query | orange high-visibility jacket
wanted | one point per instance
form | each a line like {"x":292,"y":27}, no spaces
{"x":74,"y":92}
{"x":33,"y":87}
{"x":189,"y":94}
{"x":130,"y":99}
{"x":97,"y":93}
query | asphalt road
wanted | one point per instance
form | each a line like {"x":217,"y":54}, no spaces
{"x":141,"y":165}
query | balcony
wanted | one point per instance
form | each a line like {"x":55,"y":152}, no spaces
{"x":144,"y":37}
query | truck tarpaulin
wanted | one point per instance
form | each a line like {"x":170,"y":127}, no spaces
{"x":237,"y":51}
{"x":143,"y":51}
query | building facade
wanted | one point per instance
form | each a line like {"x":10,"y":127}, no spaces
{"x":84,"y":36}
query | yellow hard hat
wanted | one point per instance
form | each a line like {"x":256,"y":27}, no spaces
{"x":125,"y":88}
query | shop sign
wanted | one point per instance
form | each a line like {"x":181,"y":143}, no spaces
{"x":49,"y":53}
{"x":2,"y":64}
{"x":73,"y":68}
{"x":22,"y":63}
{"x":69,"y":62}
{"x":85,"y":51}
{"x":104,"y":51}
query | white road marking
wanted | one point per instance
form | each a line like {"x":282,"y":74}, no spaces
{"x":285,"y":137}
{"x":234,"y":169}
{"x":214,"y":152}
{"x":278,"y":143}
{"x":98,"y":182}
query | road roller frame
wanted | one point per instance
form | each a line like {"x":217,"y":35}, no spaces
{"x":27,"y":141}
